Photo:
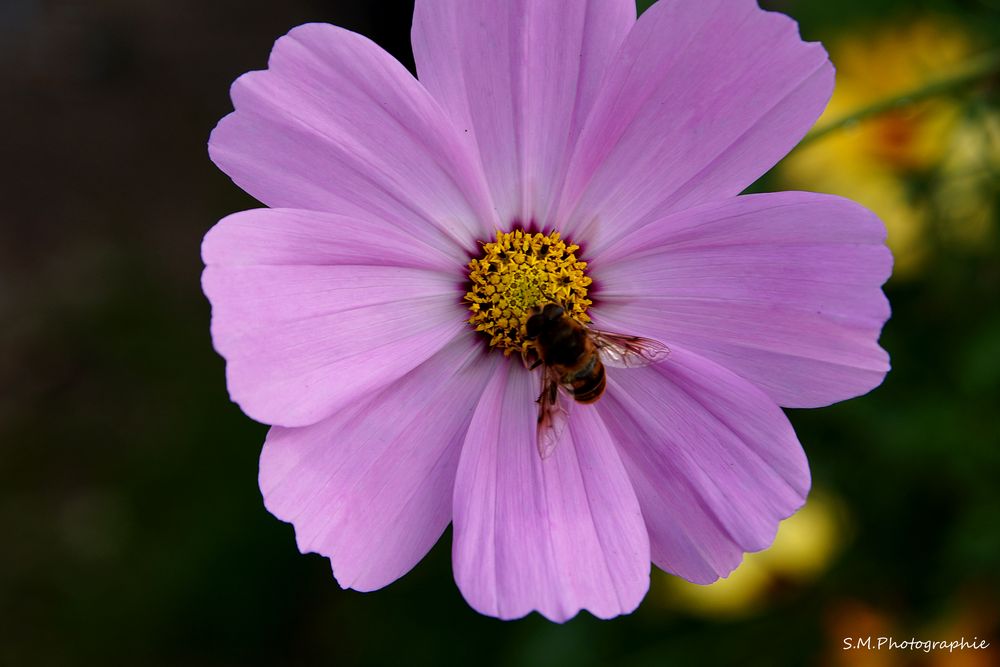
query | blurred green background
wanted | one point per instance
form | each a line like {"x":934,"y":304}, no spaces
{"x":132,"y":528}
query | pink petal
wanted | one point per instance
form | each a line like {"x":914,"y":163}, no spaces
{"x":702,"y":99}
{"x":714,"y":462}
{"x":370,"y":487}
{"x":268,"y":236}
{"x":783,"y":289}
{"x":336,"y":124}
{"x":555,"y":535}
{"x":304,"y":329}
{"x":520,"y":78}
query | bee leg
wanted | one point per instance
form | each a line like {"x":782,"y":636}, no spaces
{"x":535,"y":365}
{"x":553,"y":392}
{"x":527,"y":355}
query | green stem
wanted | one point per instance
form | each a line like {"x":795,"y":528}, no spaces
{"x":979,"y":68}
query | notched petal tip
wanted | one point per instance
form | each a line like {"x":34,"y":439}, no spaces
{"x":373,"y":494}
{"x":556,"y":535}
{"x":714,"y":462}
{"x":791,"y":23}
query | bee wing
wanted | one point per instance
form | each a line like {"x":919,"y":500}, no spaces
{"x":621,"y":351}
{"x":553,"y":413}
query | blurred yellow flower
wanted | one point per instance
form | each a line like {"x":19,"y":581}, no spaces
{"x":970,"y":174}
{"x":804,"y":547}
{"x":880,"y":161}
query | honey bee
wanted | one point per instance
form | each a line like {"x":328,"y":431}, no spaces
{"x":574,"y":356}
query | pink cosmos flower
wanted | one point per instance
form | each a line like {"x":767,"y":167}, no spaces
{"x":343,"y":310}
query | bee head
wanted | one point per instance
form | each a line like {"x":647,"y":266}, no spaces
{"x":552,"y":312}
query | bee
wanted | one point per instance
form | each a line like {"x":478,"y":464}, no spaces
{"x":574,"y":356}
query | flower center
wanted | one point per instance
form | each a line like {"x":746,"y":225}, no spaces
{"x":517,"y":273}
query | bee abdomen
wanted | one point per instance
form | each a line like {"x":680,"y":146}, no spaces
{"x":589,"y":388}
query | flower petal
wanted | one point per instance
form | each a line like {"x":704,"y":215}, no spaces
{"x":336,"y":124}
{"x":275,"y":236}
{"x":556,"y":535}
{"x":371,"y":486}
{"x":306,"y":332}
{"x":714,"y":462}
{"x":782,"y":288}
{"x":702,"y":99}
{"x":520,"y":77}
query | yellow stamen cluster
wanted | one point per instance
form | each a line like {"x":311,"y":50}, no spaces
{"x":517,"y":273}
